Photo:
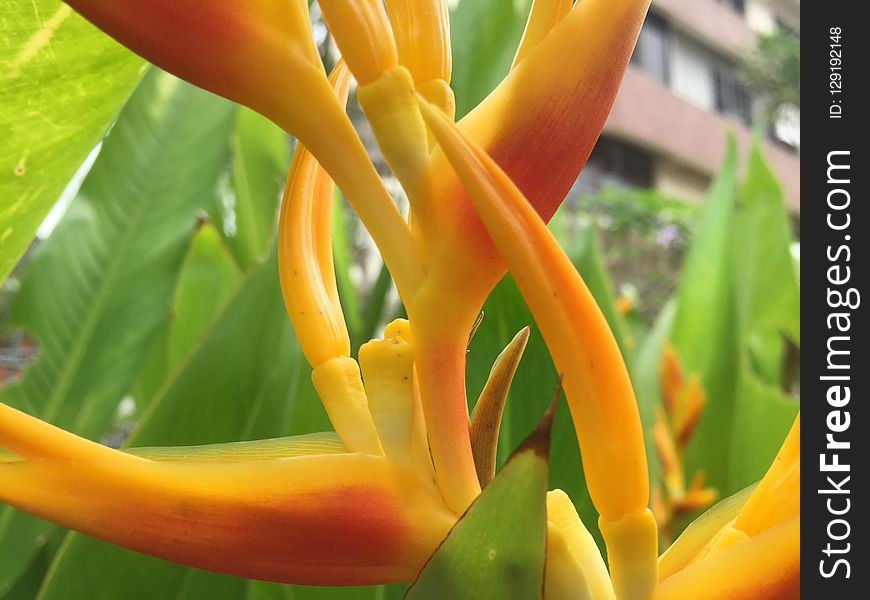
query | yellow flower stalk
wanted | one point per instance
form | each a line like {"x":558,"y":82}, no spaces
{"x":371,"y":503}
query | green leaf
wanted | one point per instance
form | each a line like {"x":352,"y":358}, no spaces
{"x":484,"y":35}
{"x":264,"y":590}
{"x":738,"y":296}
{"x":644,"y":371}
{"x":768,"y":295}
{"x":234,"y":385}
{"x":763,"y":415}
{"x":704,"y":331}
{"x":197,"y":585}
{"x":99,"y":288}
{"x":61,"y":83}
{"x":705,"y":311}
{"x":261,"y":158}
{"x":209,"y":275}
{"x":498,"y":548}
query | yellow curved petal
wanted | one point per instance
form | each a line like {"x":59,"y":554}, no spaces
{"x":305,"y":260}
{"x":775,"y":500}
{"x":30,"y":438}
{"x":362,"y":31}
{"x":777,"y":497}
{"x":422,"y":32}
{"x":339,"y":519}
{"x":343,"y":519}
{"x":764,"y":567}
{"x":595,"y":378}
{"x":584,"y":350}
{"x":235,"y":49}
{"x":697,"y":536}
{"x":539,"y":125}
{"x":692,"y":403}
{"x":545,"y":15}
{"x":547,"y":114}
{"x":670,"y":378}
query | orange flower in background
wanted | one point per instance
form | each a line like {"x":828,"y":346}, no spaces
{"x":370,"y":503}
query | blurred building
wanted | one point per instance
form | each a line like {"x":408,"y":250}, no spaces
{"x":683,"y":92}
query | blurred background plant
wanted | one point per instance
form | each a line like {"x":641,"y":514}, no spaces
{"x":146,"y":310}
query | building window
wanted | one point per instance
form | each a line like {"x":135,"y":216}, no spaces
{"x":738,"y":5}
{"x":652,"y":53}
{"x":732,"y":97}
{"x":615,"y":164}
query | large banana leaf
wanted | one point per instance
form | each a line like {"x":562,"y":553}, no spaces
{"x":98,"y":290}
{"x":61,"y":84}
{"x":738,"y":297}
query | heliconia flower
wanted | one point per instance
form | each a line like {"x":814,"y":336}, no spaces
{"x":372,"y":501}
{"x":682,"y":403}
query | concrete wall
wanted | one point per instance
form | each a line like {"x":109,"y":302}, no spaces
{"x":649,"y":115}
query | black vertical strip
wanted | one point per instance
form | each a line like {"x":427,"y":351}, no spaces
{"x":834,"y":257}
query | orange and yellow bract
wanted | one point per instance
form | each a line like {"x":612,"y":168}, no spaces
{"x":373,"y":507}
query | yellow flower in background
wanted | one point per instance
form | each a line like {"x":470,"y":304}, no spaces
{"x":371,"y":504}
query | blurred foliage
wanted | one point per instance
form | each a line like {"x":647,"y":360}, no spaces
{"x":159,"y":287}
{"x":772,"y":70}
{"x":645,"y":235}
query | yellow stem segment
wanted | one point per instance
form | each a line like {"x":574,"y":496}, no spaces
{"x":440,"y":343}
{"x":391,"y":107}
